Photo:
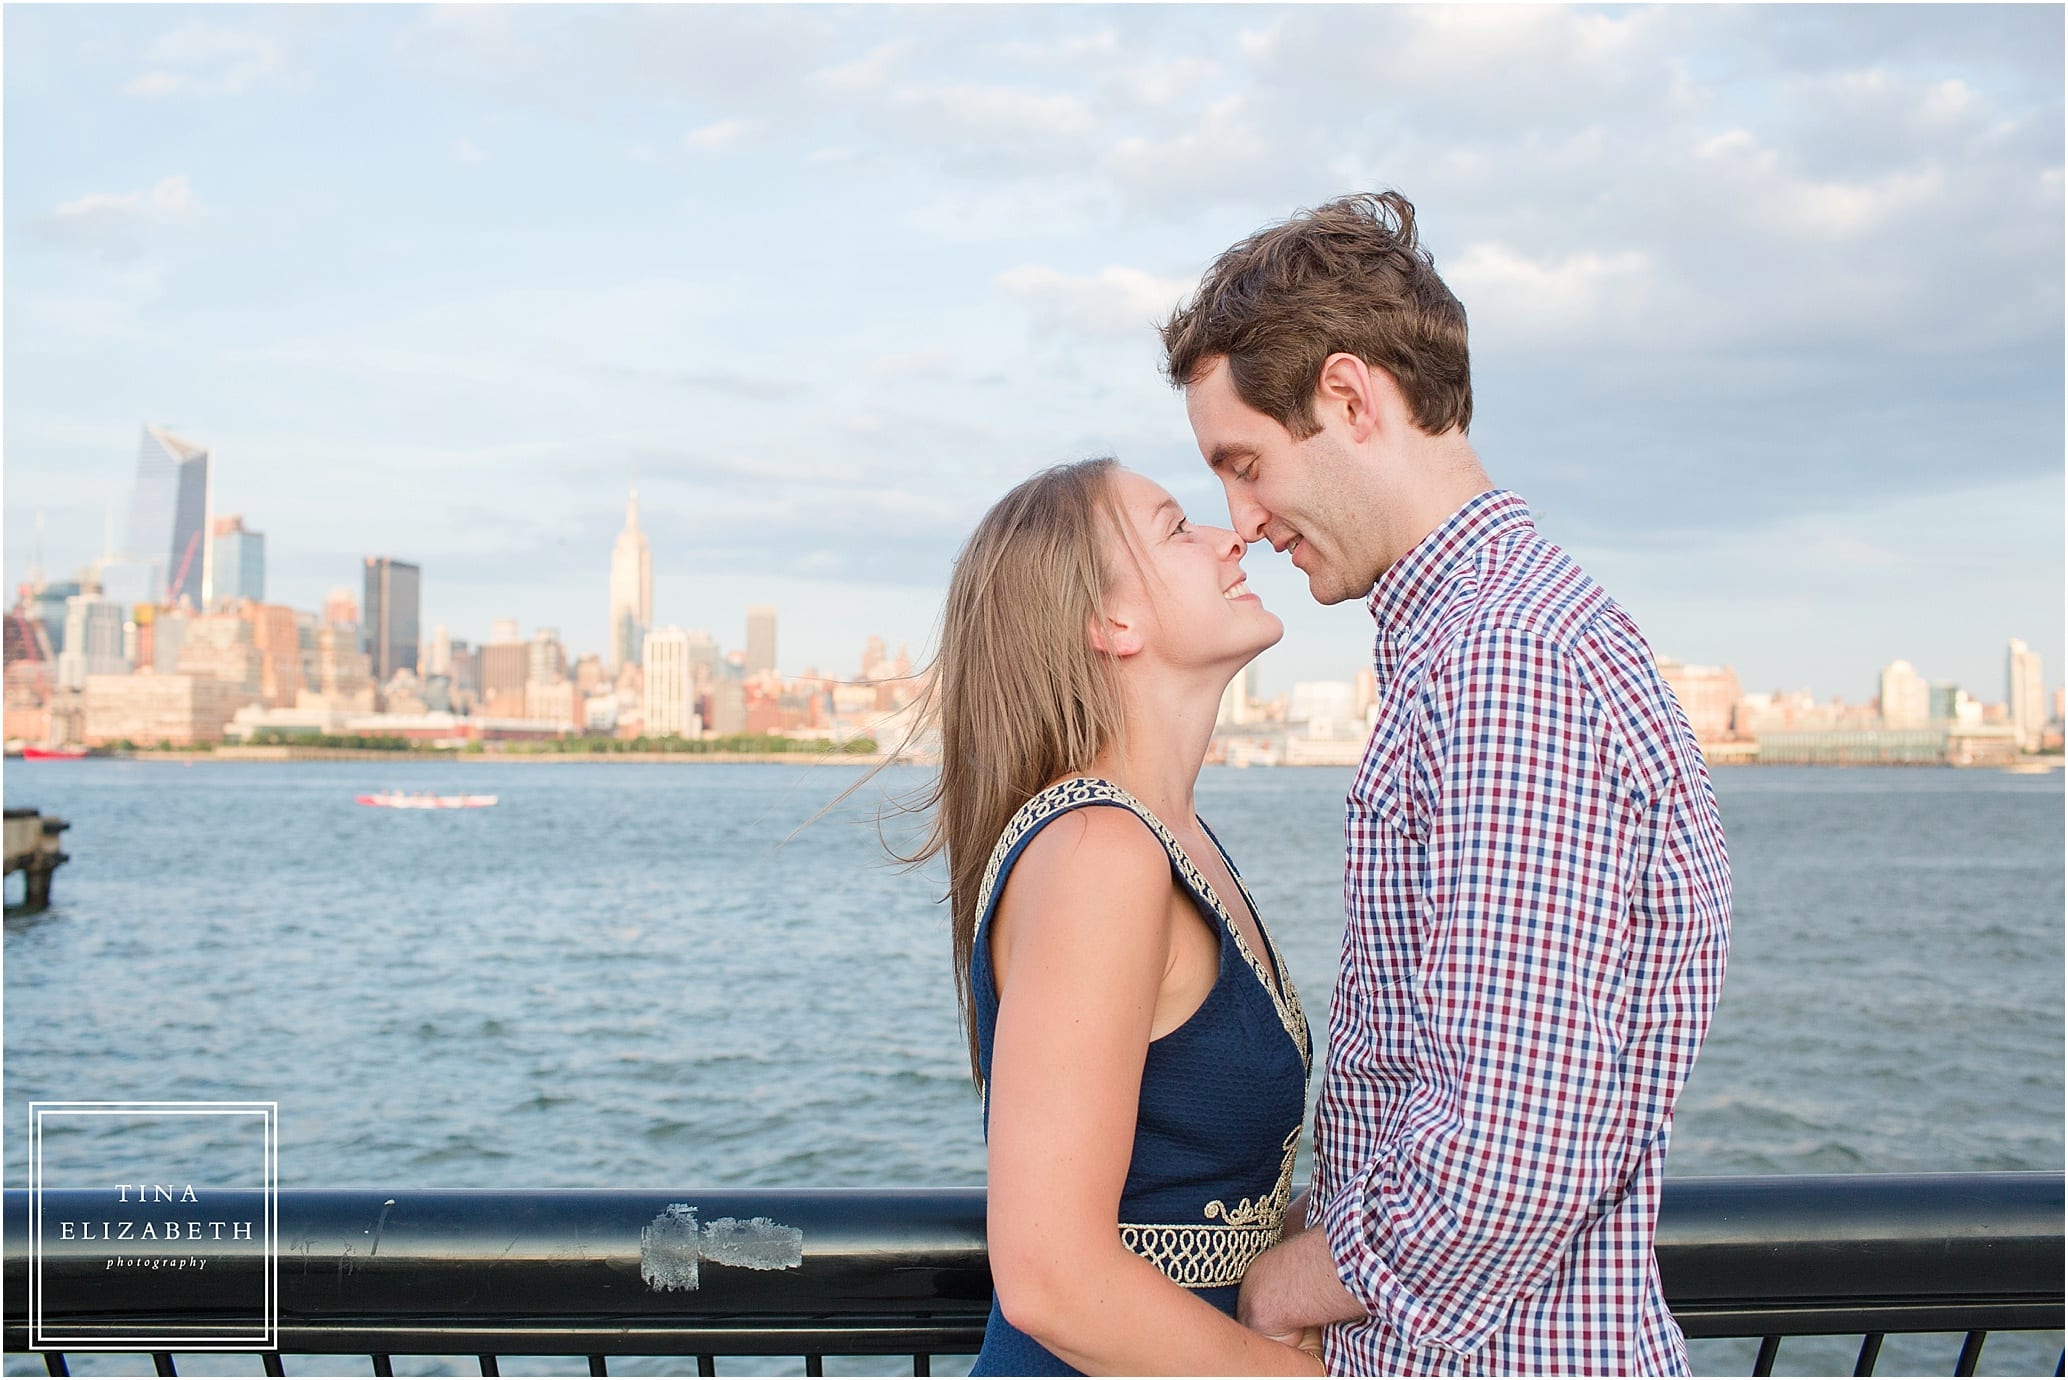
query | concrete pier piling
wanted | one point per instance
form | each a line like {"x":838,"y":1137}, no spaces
{"x":32,"y":849}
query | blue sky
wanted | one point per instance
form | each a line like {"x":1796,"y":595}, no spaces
{"x":1766,"y":302}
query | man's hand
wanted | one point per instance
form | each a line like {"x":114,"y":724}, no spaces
{"x":1263,"y":1305}
{"x":1292,"y":1287}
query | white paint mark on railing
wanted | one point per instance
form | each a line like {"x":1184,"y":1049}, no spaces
{"x":755,"y":1244}
{"x":671,"y":1245}
{"x":668,"y":1249}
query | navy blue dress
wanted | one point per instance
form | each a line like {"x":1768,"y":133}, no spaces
{"x":1224,"y":1096}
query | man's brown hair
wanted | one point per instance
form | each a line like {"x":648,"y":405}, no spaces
{"x":1346,"y":277}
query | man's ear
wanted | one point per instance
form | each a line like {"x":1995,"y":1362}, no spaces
{"x":1116,"y":637}
{"x":1353,"y":392}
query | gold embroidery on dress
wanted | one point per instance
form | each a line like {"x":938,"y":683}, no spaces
{"x":1208,"y":1257}
{"x":1215,"y":1255}
{"x":1269,"y":1211}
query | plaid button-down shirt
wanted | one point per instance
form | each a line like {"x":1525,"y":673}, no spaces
{"x":1538,"y":908}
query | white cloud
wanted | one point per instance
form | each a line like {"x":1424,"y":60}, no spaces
{"x":872,"y":71}
{"x":1163,"y":83}
{"x":722,"y":134}
{"x":118,"y":224}
{"x":1847,"y":210}
{"x":1105,"y":43}
{"x":467,"y":151}
{"x":1569,"y":299}
{"x":1000,"y":110}
{"x":199,"y":59}
{"x":1229,"y":151}
{"x":1116,"y":302}
{"x":1099,"y":44}
{"x":172,"y":198}
{"x":1949,"y":99}
{"x":1758,"y":179}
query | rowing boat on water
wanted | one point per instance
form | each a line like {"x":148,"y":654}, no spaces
{"x":399,"y":800}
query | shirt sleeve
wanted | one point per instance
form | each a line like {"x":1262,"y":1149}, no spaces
{"x":1514,"y":1134}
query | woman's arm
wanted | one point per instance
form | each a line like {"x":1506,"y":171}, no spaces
{"x":1082,"y":944}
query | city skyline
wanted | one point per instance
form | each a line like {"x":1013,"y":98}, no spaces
{"x":630,"y":621}
{"x":1766,"y":303}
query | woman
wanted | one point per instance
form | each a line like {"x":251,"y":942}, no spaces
{"x":1140,"y":1047}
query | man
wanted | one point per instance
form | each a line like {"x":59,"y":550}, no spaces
{"x":1537,"y":893}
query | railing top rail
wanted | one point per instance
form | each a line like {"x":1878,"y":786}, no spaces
{"x":566,"y":1271}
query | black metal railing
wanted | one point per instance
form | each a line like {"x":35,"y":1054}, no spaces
{"x":902,"y":1272}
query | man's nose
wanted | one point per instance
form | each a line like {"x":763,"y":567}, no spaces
{"x":1247,"y":517}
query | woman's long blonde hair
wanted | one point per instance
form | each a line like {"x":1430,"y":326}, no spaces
{"x":1019,"y":694}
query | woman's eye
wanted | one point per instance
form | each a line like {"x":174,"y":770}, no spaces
{"x":1182,"y":528}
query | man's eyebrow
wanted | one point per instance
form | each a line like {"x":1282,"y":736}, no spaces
{"x":1228,"y":452}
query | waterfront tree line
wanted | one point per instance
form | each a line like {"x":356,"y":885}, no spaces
{"x":746,"y":743}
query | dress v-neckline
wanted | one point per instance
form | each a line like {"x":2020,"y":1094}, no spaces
{"x":1249,"y":903}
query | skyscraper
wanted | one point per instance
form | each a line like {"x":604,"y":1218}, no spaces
{"x":1906,"y":697}
{"x":389,"y":634}
{"x":240,"y":561}
{"x":761,"y":639}
{"x":670,"y":688}
{"x":169,"y":516}
{"x":631,"y":589}
{"x":505,"y":671}
{"x":2026,"y":694}
{"x":93,"y":640}
{"x":548,"y":660}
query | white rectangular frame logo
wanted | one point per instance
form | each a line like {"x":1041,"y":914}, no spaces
{"x":264,"y":1336}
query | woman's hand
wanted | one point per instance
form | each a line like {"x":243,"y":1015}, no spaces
{"x":1309,"y":1341}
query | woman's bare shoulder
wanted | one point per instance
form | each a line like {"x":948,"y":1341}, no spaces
{"x":1097,"y":842}
{"x":1084,"y":870}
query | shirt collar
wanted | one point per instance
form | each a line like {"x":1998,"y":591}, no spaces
{"x":1411,"y":585}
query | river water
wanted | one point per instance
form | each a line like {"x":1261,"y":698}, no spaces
{"x":638,"y":975}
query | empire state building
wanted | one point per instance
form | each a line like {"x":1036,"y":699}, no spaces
{"x":631,"y":589}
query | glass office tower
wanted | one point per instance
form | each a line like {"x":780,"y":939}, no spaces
{"x":388,"y":618}
{"x":168,"y":517}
